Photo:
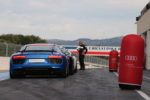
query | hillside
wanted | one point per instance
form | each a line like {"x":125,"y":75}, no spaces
{"x":116,"y":41}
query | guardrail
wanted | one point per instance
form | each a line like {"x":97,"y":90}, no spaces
{"x":97,"y":60}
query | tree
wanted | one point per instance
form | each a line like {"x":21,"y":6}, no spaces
{"x":21,"y":39}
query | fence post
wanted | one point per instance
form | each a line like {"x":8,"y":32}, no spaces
{"x":6,"y":44}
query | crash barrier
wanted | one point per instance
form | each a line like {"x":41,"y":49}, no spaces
{"x":113,"y":61}
{"x":6,"y":49}
{"x":131,"y":62}
{"x":4,"y":63}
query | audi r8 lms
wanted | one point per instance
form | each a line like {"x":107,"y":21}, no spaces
{"x":38,"y":59}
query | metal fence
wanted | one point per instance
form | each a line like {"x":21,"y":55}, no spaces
{"x":95,"y":59}
{"x":6,"y":49}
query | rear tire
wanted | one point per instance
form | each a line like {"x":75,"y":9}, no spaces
{"x":75,"y":71}
{"x":66,"y":73}
{"x":71,"y":66}
{"x":12,"y":76}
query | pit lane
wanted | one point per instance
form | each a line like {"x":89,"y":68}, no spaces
{"x":95,"y":83}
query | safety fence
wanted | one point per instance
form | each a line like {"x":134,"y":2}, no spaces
{"x":6,"y":49}
{"x":95,"y":59}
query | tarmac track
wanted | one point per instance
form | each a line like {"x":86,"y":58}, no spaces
{"x":91,"y":84}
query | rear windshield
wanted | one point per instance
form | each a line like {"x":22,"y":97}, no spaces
{"x":39,"y":48}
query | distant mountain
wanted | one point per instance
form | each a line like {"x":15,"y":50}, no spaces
{"x":116,"y":41}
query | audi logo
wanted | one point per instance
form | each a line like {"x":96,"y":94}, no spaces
{"x":133,"y":58}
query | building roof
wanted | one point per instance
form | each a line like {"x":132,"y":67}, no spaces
{"x":145,"y":9}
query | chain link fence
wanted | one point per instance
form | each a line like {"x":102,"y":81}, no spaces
{"x":6,"y":49}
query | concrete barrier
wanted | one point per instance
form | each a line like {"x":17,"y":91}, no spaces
{"x":4,"y":63}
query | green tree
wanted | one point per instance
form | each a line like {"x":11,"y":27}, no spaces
{"x":21,"y":39}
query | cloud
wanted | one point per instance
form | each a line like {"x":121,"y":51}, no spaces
{"x":70,"y":19}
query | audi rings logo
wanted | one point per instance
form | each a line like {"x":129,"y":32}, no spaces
{"x":131,"y":58}
{"x":113,"y":59}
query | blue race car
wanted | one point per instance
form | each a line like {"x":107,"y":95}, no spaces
{"x":39,"y":59}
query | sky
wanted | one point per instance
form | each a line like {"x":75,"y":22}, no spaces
{"x":70,"y":19}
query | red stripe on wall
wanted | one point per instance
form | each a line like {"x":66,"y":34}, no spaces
{"x":98,"y":53}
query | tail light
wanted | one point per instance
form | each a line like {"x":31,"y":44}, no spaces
{"x":18,"y":59}
{"x":55,"y":59}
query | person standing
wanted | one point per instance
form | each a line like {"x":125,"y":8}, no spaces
{"x":82,"y":49}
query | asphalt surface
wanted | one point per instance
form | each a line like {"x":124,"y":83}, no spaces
{"x":91,"y":84}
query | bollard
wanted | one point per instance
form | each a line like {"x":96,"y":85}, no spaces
{"x":113,"y":61}
{"x":131,"y":62}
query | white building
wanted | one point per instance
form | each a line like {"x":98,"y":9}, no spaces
{"x":143,"y":29}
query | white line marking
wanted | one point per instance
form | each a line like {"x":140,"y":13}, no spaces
{"x":4,"y":76}
{"x":144,"y":95}
{"x":116,"y":73}
{"x":4,"y":79}
{"x":146,"y":77}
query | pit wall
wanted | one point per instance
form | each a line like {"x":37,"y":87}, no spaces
{"x":4,"y":63}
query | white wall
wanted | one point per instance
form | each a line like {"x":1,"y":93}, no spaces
{"x":144,"y":23}
{"x":147,"y":51}
{"x":4,"y":63}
